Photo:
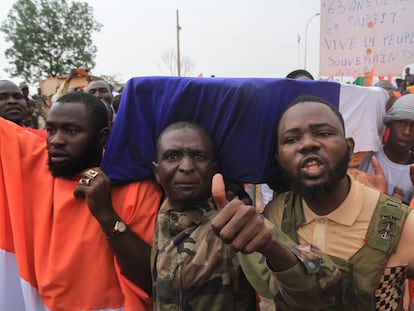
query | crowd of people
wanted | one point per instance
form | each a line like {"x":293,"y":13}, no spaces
{"x":332,"y":238}
{"x":38,"y":105}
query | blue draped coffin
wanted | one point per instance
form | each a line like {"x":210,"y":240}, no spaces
{"x":241,"y":115}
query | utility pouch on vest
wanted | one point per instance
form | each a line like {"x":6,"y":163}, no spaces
{"x":347,"y":296}
{"x":388,"y":229}
{"x":363,"y":271}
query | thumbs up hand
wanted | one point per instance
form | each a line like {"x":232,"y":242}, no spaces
{"x":218,"y":191}
{"x":238,"y":224}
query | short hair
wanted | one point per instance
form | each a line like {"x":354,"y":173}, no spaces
{"x":316,"y":99}
{"x":8,"y":82}
{"x":94,"y":106}
{"x":299,"y":72}
{"x":187,"y":124}
{"x":98,"y":80}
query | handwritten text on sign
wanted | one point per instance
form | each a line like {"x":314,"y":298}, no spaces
{"x":360,"y":35}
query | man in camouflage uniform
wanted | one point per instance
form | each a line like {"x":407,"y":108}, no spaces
{"x":194,"y":261}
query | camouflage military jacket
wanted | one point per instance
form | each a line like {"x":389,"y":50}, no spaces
{"x":311,"y":284}
{"x":192,"y":269}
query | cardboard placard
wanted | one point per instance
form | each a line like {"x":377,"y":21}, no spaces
{"x":358,"y":36}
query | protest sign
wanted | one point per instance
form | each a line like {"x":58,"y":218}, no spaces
{"x":363,"y":36}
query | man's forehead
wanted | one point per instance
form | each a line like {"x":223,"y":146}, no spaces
{"x":9,"y":87}
{"x":97,"y":85}
{"x":181,"y":134}
{"x":191,"y":137}
{"x":308,"y":112}
{"x":67,"y":108}
{"x":309,"y":107}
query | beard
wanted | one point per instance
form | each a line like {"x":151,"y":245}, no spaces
{"x":335,"y":175}
{"x":87,"y":159}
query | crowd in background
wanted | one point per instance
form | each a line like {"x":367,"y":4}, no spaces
{"x":370,"y":169}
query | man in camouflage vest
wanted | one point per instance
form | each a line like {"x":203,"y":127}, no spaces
{"x":368,"y":235}
{"x":194,"y":261}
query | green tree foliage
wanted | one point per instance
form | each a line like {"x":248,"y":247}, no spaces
{"x":49,"y":37}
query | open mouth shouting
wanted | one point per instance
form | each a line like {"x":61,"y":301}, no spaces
{"x":312,"y":166}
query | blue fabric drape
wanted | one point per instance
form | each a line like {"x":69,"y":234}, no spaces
{"x":240,"y":114}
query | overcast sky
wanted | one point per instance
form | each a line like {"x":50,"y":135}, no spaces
{"x":225,"y":38}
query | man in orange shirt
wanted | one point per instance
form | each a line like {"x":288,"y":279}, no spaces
{"x":75,"y":248}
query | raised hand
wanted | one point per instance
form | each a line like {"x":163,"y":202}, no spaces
{"x":218,"y":191}
{"x":95,"y":188}
{"x":238,"y":224}
{"x":376,"y":181}
{"x":412,"y":173}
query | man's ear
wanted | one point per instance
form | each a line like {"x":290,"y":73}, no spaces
{"x":103,"y":136}
{"x":154,"y":166}
{"x":351,"y":144}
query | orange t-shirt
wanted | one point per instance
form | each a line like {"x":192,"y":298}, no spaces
{"x":59,"y":246}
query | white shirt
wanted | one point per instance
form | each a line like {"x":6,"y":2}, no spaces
{"x":397,"y":175}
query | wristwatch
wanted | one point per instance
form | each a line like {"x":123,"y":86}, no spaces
{"x":118,"y":228}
